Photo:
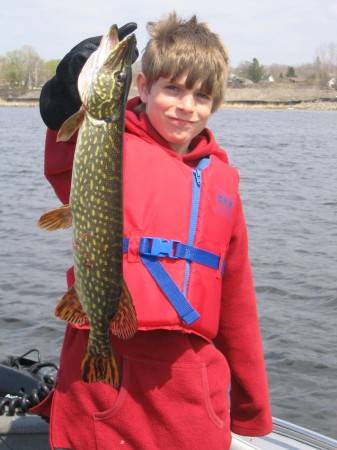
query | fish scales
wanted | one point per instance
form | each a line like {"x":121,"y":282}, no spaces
{"x":98,"y":227}
{"x":99,"y":295}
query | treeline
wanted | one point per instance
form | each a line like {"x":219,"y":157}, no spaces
{"x":320,"y":71}
{"x":24,"y":68}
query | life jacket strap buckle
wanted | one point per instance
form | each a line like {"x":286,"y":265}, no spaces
{"x":158,"y":247}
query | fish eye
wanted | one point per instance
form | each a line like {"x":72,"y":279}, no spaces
{"x":121,"y":77}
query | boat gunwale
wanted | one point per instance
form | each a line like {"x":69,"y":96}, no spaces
{"x":303,"y":435}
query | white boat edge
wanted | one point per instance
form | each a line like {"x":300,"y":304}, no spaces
{"x":286,"y":436}
{"x":30,"y":432}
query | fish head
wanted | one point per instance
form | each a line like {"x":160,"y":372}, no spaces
{"x":105,"y":79}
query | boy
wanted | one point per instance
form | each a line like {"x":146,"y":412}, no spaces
{"x":188,"y":378}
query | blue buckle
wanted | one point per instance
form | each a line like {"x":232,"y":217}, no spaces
{"x":151,"y":246}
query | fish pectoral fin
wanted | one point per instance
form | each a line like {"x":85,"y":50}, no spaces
{"x":56,"y":218}
{"x":69,"y":308}
{"x":124,"y":324}
{"x":71,"y":125}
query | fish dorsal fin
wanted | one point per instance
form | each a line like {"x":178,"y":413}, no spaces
{"x":57,"y":218}
{"x":71,"y":125}
{"x":124,"y":324}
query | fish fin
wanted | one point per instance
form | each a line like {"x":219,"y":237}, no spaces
{"x":56,"y":218}
{"x":99,"y":367}
{"x":124,"y":324}
{"x":71,"y":125}
{"x":69,"y":308}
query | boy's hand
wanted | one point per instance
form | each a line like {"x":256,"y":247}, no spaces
{"x":59,"y":96}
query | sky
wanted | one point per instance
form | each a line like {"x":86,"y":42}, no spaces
{"x":287,"y":32}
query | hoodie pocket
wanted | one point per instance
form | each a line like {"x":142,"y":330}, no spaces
{"x":162,"y":405}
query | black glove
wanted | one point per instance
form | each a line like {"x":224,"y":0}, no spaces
{"x":59,"y":97}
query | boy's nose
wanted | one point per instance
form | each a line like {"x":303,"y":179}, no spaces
{"x":186,"y":102}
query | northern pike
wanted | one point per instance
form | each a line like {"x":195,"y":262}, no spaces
{"x":95,"y":211}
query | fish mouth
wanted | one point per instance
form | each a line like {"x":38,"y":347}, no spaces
{"x":119,"y":50}
{"x":110,"y":46}
{"x":112,"y":55}
{"x":124,"y":50}
{"x":126,"y":47}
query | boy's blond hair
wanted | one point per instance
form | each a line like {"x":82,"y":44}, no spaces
{"x":178,"y":46}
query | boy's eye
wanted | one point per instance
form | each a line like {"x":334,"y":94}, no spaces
{"x":203,"y":96}
{"x":172,"y":87}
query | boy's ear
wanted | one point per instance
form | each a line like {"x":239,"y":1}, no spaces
{"x":142,"y":87}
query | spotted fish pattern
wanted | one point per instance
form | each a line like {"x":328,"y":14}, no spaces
{"x":95,"y":212}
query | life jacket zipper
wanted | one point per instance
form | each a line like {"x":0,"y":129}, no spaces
{"x":196,"y":191}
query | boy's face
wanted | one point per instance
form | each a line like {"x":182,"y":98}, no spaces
{"x":178,"y":114}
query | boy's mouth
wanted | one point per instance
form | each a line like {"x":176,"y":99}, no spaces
{"x":181,"y":121}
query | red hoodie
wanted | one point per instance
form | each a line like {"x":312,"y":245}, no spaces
{"x":238,"y":337}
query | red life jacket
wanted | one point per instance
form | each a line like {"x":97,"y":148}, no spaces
{"x":177,"y":224}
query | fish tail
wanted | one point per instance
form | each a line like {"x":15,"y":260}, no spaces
{"x":56,"y":218}
{"x":124,"y":324}
{"x":99,"y":367}
{"x":69,"y":308}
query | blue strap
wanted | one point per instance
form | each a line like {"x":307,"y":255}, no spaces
{"x":199,"y":256}
{"x":150,"y":246}
{"x":150,"y":249}
{"x":168,"y":286}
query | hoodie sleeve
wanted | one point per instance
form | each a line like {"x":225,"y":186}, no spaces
{"x":240,"y":341}
{"x":58,"y":164}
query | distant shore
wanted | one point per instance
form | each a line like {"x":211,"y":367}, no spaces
{"x":316,"y":105}
{"x":281,"y":96}
{"x":262,"y":96}
{"x":16,"y":103}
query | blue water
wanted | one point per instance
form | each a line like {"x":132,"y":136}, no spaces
{"x":287,"y":160}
